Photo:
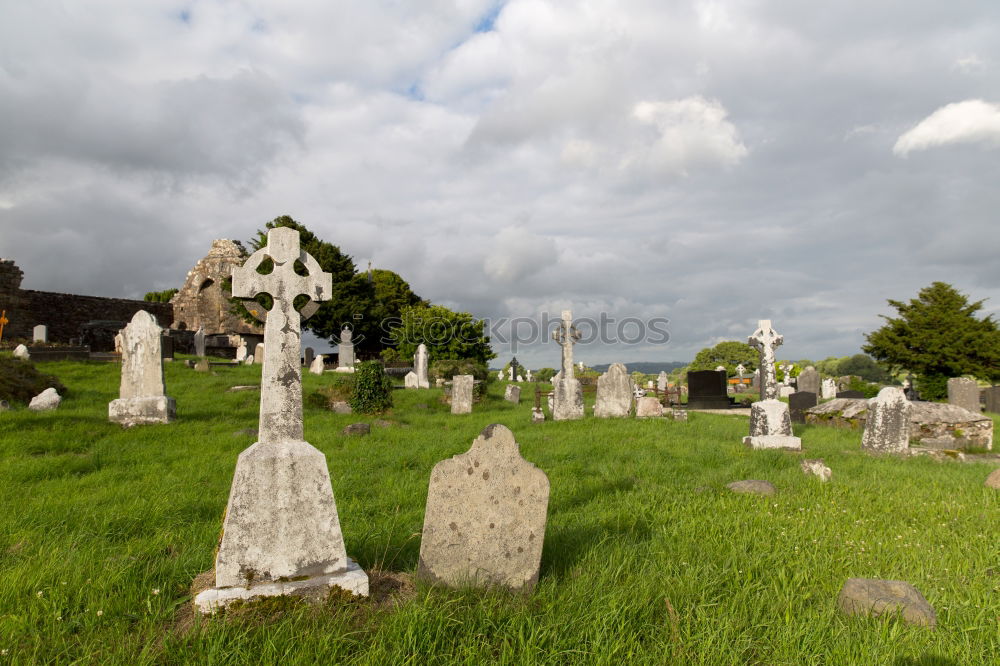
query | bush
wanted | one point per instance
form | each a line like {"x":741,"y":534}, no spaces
{"x":20,"y":381}
{"x":372,"y":388}
{"x":448,"y":368}
{"x":340,"y":389}
{"x":544,"y":374}
{"x":858,"y":384}
{"x":933,"y":387}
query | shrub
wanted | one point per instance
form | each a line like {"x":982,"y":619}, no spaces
{"x":340,"y":389}
{"x":372,"y":388}
{"x":858,"y":384}
{"x":20,"y":381}
{"x":448,"y":368}
{"x":544,"y":374}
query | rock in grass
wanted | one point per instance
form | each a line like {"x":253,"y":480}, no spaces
{"x":202,"y":365}
{"x":817,"y":469}
{"x":21,"y":352}
{"x":993,"y":480}
{"x":357,"y":429}
{"x":870,"y":596}
{"x":47,"y":399}
{"x":752,"y":486}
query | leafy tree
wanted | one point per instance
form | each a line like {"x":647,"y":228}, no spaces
{"x":447,"y":334}
{"x":729,"y":354}
{"x":829,"y":366}
{"x":864,"y":366}
{"x":159,"y":296}
{"x":936,"y":336}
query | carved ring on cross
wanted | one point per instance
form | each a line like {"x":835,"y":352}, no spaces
{"x":256,"y":259}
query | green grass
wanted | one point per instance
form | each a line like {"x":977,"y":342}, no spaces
{"x":647,"y":559}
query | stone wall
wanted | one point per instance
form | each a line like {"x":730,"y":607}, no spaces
{"x":64,"y":313}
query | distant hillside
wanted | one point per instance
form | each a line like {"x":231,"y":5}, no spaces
{"x":652,"y":368}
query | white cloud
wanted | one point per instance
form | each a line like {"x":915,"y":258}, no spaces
{"x":971,"y":121}
{"x":518,"y":253}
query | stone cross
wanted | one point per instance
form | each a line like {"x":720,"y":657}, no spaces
{"x":740,"y":370}
{"x":566,"y":335}
{"x":345,"y":350}
{"x":765,"y":340}
{"x":281,"y":376}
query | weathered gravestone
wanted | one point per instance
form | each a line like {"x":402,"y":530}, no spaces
{"x":40,"y":333}
{"x":461,"y":394}
{"x":241,"y":351}
{"x":661,"y":381}
{"x":991,"y":398}
{"x":316,"y":366}
{"x":420,"y":366}
{"x":258,"y":353}
{"x":614,"y":392}
{"x":887,"y":423}
{"x":485,"y":517}
{"x":410,"y":380}
{"x":281,"y":533}
{"x":770,"y":419}
{"x":567,"y":402}
{"x":828,"y":389}
{"x":512,"y":393}
{"x":808,"y":381}
{"x":307,"y":357}
{"x":199,"y":342}
{"x":648,"y":407}
{"x":142,"y":398}
{"x":798,"y":403}
{"x":345,"y":350}
{"x":707,"y":390}
{"x":964,"y":392}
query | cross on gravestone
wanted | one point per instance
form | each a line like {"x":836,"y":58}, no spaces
{"x":765,"y":340}
{"x":567,"y":400}
{"x":566,"y":335}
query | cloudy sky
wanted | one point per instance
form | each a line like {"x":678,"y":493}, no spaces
{"x":706,"y":162}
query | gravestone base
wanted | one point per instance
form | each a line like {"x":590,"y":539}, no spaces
{"x":354,"y":580}
{"x":773,"y":442}
{"x":142,"y":411}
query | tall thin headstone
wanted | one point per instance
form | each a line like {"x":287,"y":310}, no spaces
{"x":141,"y":397}
{"x":770,"y":420}
{"x":40,"y":333}
{"x":307,"y":356}
{"x":614,"y":393}
{"x":281,"y":533}
{"x":199,"y":342}
{"x":461,"y":394}
{"x":420,"y":366}
{"x":567,"y":401}
{"x":345,"y":350}
{"x":661,"y":381}
{"x":887,"y":422}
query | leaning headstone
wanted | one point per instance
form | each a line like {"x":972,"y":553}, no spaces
{"x":199,"y":342}
{"x":142,"y":398}
{"x":21,"y":352}
{"x":308,"y":355}
{"x":40,"y":333}
{"x":964,"y":392}
{"x":828,"y":389}
{"x":567,"y":392}
{"x":345,"y":350}
{"x":316,"y":366}
{"x":461,"y":394}
{"x":614,"y":393}
{"x":648,"y":407}
{"x":887,"y":423}
{"x":808,"y":380}
{"x":869,"y":596}
{"x":485,"y":517}
{"x":661,"y":381}
{"x":420,"y":366}
{"x":410,"y":380}
{"x":798,"y":403}
{"x":520,"y":378}
{"x":281,"y":533}
{"x":512,"y":393}
{"x":770,"y":419}
{"x":258,"y":353}
{"x":44,"y":401}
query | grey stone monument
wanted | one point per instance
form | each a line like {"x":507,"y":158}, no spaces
{"x":567,"y":403}
{"x":141,"y":397}
{"x":828,"y":388}
{"x":887,"y":423}
{"x":40,"y":333}
{"x":964,"y":392}
{"x":345,"y":350}
{"x":808,"y":380}
{"x":281,"y":533}
{"x":770,"y":420}
{"x":199,"y":342}
{"x":461,"y":394}
{"x":485,"y":517}
{"x":307,"y":356}
{"x":648,"y":407}
{"x":258,"y":353}
{"x":241,"y":351}
{"x":512,"y":393}
{"x":420,"y":366}
{"x":661,"y":381}
{"x":614,"y":393}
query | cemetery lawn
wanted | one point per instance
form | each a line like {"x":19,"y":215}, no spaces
{"x":648,"y":558}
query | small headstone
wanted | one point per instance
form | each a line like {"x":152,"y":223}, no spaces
{"x":755,"y":382}
{"x":247,"y":387}
{"x":167,"y":347}
{"x":142,"y":396}
{"x":785,"y":391}
{"x":512,"y":393}
{"x":357,"y":429}
{"x":818,"y":469}
{"x":752,"y":487}
{"x":529,"y":376}
{"x":828,"y":388}
{"x":798,"y":403}
{"x":461,"y":394}
{"x":248,"y":360}
{"x":420,"y":366}
{"x":771,"y":426}
{"x":241,"y":352}
{"x":485,"y":517}
{"x":258,"y":354}
{"x":202,"y":365}
{"x":199,"y":342}
{"x":341,"y":407}
{"x":964,"y":392}
{"x":679,"y":414}
{"x":808,"y":380}
{"x":887,"y":423}
{"x":316,"y":365}
{"x":439,"y":382}
{"x":993,"y":480}
{"x":40,"y":333}
{"x":308,"y":356}
{"x":410,"y":380}
{"x":345,"y":350}
{"x":537,"y":415}
{"x":868,"y":596}
{"x":614,"y":393}
{"x":21,"y":352}
{"x":648,"y":407}
{"x":47,"y":399}
{"x":661,"y":381}
{"x":638,"y":392}
{"x":740,"y":370}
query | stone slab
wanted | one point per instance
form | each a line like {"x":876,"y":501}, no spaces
{"x":773,"y":442}
{"x":752,"y":487}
